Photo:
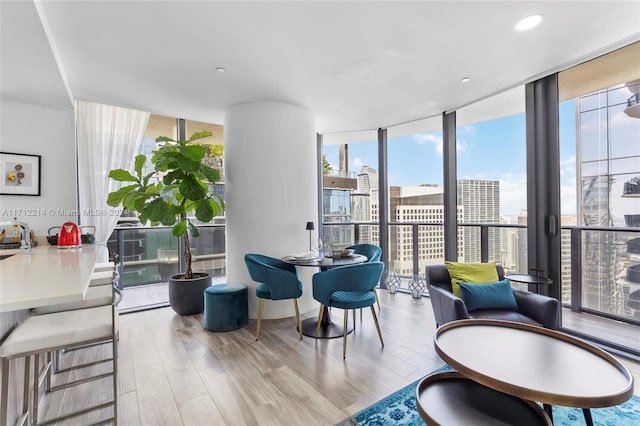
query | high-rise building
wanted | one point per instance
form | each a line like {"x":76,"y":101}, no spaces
{"x":480,"y":201}
{"x":565,"y":257}
{"x":361,"y":203}
{"x":609,"y":161}
{"x":337,"y":206}
{"x":416,"y":204}
{"x":509,"y":239}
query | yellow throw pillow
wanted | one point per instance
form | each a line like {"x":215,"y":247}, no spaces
{"x":475,"y":273}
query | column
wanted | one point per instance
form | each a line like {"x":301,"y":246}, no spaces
{"x":270,"y":191}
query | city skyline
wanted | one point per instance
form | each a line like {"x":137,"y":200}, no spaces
{"x":417,"y":159}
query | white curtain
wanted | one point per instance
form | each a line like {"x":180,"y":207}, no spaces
{"x":108,"y":138}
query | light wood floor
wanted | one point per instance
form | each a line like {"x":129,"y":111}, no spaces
{"x":173,"y":372}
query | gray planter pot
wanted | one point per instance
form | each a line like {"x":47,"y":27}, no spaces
{"x":186,"y":297}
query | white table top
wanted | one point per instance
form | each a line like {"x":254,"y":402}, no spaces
{"x":46,"y":276}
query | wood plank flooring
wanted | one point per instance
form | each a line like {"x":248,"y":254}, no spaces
{"x":173,"y":372}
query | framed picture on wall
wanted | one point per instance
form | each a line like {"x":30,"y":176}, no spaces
{"x":20,"y":174}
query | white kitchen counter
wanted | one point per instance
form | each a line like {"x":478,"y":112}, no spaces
{"x":46,"y":276}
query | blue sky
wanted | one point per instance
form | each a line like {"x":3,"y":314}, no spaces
{"x":492,"y":150}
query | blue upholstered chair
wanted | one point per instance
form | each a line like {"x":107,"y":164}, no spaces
{"x":348,"y":287}
{"x":373,"y":253}
{"x":277,"y":281}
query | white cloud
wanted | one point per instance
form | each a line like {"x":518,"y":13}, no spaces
{"x":569,"y":161}
{"x":435,"y":139}
{"x":428,"y":137}
{"x":467,"y":131}
{"x":568,"y":200}
{"x":513,"y":195}
{"x":358,"y":163}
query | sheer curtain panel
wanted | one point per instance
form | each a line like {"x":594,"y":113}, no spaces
{"x":108,"y":137}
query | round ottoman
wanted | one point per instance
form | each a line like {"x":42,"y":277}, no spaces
{"x":225,"y":307}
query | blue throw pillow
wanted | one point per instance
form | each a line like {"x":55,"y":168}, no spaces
{"x":496,"y":295}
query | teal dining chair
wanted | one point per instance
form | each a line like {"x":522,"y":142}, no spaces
{"x":277,"y":281}
{"x":373,"y":253}
{"x":348,"y":287}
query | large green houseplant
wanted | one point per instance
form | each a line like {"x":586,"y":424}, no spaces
{"x":181,"y":191}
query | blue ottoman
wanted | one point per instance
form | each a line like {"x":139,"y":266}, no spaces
{"x":225,"y":307}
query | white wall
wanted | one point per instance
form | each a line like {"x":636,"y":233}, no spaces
{"x":31,"y":129}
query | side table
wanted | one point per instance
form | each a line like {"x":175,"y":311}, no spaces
{"x":529,"y":280}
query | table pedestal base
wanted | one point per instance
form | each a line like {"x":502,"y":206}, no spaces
{"x":328,"y":329}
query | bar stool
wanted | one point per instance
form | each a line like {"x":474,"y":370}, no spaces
{"x":98,"y":294}
{"x":102,"y":278}
{"x":42,"y":334}
{"x":105,"y":273}
{"x":104,"y":266}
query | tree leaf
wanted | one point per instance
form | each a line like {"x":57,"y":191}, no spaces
{"x":179,"y":228}
{"x":193,"y":152}
{"x":204,"y":211}
{"x":160,"y":211}
{"x":200,"y":135}
{"x":212,"y":175}
{"x":145,"y":179}
{"x":164,"y":139}
{"x":190,"y":205}
{"x":194,"y":230}
{"x":115,"y":198}
{"x":140,"y":160}
{"x":216,"y":205}
{"x":170,"y":177}
{"x":122,"y":175}
{"x":192,"y":189}
{"x":153,"y":189}
{"x":187,"y":165}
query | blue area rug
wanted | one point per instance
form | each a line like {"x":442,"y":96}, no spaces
{"x":400,"y":408}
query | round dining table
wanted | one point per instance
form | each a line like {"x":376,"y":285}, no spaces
{"x":328,"y":329}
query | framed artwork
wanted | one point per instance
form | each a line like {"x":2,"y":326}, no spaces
{"x":20,"y":174}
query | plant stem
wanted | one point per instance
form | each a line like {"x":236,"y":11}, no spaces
{"x":188,"y":273}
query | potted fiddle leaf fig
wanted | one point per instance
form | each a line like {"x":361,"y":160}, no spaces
{"x":181,"y":192}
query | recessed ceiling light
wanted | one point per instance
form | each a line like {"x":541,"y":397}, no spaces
{"x":529,"y":22}
{"x":465,"y":79}
{"x":220,"y":69}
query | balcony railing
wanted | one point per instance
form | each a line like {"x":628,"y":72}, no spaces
{"x":152,"y":254}
{"x":598,"y":273}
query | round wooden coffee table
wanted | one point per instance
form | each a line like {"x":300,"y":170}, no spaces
{"x":534,"y":363}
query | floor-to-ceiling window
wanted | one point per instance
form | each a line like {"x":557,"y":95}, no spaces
{"x":150,"y":255}
{"x":600,"y":171}
{"x":350,"y":189}
{"x":416,"y":207}
{"x":491,"y":182}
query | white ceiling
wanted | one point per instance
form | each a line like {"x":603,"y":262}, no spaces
{"x":354,"y":64}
